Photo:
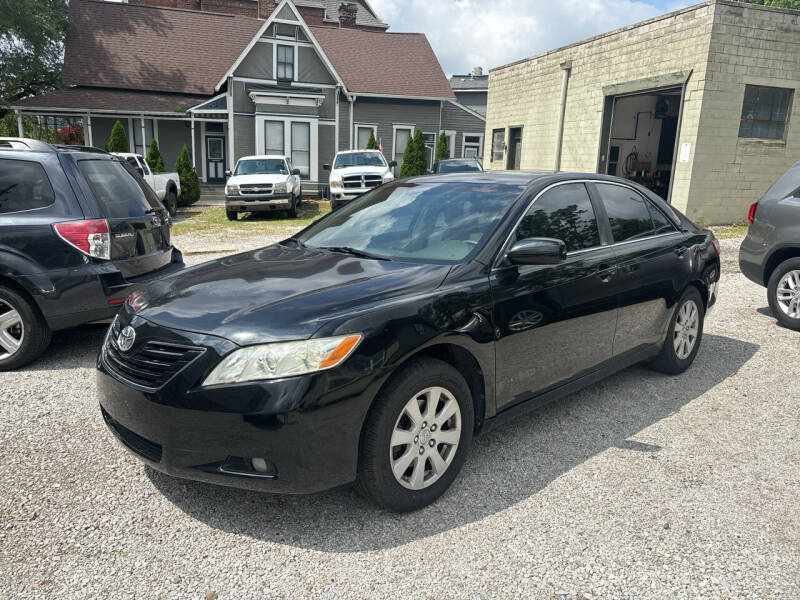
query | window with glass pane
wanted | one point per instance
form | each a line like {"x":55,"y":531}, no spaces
{"x":564,"y":213}
{"x":660,"y":223}
{"x":285,"y":63}
{"x":629,"y":216}
{"x":472,"y":146}
{"x":498,"y":143}
{"x":301,"y":148}
{"x":401,"y":138}
{"x":23,"y":186}
{"x":273,"y":136}
{"x":363,"y":136}
{"x":764,"y":112}
{"x":430,"y":149}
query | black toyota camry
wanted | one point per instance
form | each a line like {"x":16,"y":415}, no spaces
{"x":372,"y":346}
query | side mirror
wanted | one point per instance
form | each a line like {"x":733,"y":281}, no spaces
{"x":538,"y":251}
{"x":228,"y":173}
{"x":393,"y":163}
{"x":295,"y":171}
{"x":140,"y":171}
{"x":326,"y":167}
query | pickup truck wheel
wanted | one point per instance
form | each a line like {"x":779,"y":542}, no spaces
{"x":171,"y":202}
{"x":300,"y":198}
{"x":24,"y":334}
{"x":232,"y":215}
{"x":293,"y":208}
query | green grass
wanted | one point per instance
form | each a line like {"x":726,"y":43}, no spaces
{"x":727,"y":232}
{"x":213,"y":220}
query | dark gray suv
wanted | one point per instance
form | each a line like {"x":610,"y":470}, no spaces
{"x":770,"y":254}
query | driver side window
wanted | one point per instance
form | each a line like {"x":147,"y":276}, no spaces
{"x":565,"y":213}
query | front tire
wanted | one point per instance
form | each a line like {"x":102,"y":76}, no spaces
{"x":783,"y":293}
{"x":24,"y":334}
{"x":293,"y":208}
{"x":232,"y":215}
{"x":171,"y":202}
{"x":416,"y":437}
{"x":683,"y":335}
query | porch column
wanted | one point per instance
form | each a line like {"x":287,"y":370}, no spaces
{"x":155,"y":132}
{"x":194,"y":163}
{"x":144,"y":137}
{"x":131,"y":138}
{"x":20,"y":129}
{"x":89,"y":141}
{"x":352,"y":101}
{"x":336,"y":125}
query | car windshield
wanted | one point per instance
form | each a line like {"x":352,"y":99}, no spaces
{"x":359,"y":159}
{"x":418,"y":222}
{"x":459,"y":166}
{"x":262,"y":166}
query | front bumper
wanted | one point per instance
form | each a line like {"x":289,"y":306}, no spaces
{"x":254,"y":203}
{"x":305,"y":428}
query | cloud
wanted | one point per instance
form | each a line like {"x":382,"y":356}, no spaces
{"x":490,"y":33}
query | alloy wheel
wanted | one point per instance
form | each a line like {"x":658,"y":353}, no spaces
{"x":12,"y":330}
{"x":788,"y":294}
{"x":425,"y":438}
{"x":686,"y":328}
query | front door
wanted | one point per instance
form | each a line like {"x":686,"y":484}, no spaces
{"x":514,"y":148}
{"x":215,"y":159}
{"x":554,"y":323}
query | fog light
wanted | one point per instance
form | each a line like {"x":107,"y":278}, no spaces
{"x":260,"y":465}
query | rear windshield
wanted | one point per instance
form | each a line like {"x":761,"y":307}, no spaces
{"x":118,"y":191}
{"x":23,"y":186}
{"x":262,"y":166}
{"x":459,"y":166}
{"x":359,"y":159}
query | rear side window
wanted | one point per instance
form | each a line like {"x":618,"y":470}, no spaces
{"x":565,"y":213}
{"x":118,"y":192}
{"x":627,"y":211}
{"x":23,"y":186}
{"x":660,"y":223}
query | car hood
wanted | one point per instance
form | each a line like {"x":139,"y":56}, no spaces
{"x":245,"y":179}
{"x":364,"y":170}
{"x":280,"y":292}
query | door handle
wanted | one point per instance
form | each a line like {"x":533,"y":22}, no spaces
{"x":681,"y":250}
{"x":605,"y":272}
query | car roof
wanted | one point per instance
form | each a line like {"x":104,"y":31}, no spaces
{"x":359,"y":151}
{"x":19,"y":144}
{"x":263,"y":157}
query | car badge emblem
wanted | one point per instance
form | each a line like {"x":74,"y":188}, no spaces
{"x":126,"y":339}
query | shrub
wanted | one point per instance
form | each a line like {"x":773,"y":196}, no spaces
{"x":118,"y":142}
{"x":372,"y":143}
{"x":190,"y":183}
{"x":154,"y":158}
{"x":442,"y":147}
{"x":414,"y":157}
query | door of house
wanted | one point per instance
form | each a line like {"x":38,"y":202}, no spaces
{"x":514,"y":148}
{"x":215,"y":159}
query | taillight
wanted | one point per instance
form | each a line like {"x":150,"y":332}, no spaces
{"x":715,"y":245}
{"x":751,"y":214}
{"x":90,"y":237}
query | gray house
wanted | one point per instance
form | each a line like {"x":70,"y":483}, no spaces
{"x":229,"y":85}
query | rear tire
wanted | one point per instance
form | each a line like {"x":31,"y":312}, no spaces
{"x":684,"y":335}
{"x":24,"y":334}
{"x":232,"y":215}
{"x":404,"y":465}
{"x":783,"y":293}
{"x":171,"y":202}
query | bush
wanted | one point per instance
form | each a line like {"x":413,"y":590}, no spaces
{"x":118,"y":142}
{"x":442,"y":147}
{"x":372,"y":143}
{"x":190,"y":182}
{"x":154,"y":158}
{"x":414,"y":157}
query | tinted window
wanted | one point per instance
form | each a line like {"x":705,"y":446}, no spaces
{"x":627,"y":212}
{"x":262,"y":166}
{"x":23,"y":186}
{"x":660,"y":223}
{"x":118,"y":192}
{"x":565,"y":213}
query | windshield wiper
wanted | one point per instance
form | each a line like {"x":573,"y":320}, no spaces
{"x":355,"y":252}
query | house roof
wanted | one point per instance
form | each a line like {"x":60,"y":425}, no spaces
{"x":115,"y":100}
{"x":364,"y":16}
{"x":382,"y":63}
{"x":469,"y":82}
{"x":130,"y":46}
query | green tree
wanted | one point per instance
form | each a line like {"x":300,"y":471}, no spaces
{"x":414,"y":157}
{"x":372,"y":144}
{"x":154,"y":158}
{"x":118,"y":142}
{"x":795,"y":4}
{"x":442,"y":147}
{"x":190,"y":183}
{"x":32,"y":36}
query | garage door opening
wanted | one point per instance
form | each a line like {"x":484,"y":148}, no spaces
{"x":640,"y":131}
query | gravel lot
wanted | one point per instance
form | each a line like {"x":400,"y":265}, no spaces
{"x":643,"y":486}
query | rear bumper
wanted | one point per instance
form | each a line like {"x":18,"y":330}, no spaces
{"x":751,"y":260}
{"x":258,"y":203}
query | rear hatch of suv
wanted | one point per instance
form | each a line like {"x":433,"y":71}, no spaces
{"x":138,"y":223}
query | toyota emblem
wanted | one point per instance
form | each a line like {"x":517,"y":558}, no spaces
{"x":126,"y":338}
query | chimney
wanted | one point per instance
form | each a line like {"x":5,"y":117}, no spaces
{"x":477,"y":72}
{"x":347,"y":14}
{"x":266,"y":8}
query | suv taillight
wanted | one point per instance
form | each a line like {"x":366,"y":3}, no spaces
{"x":90,"y":237}
{"x":715,"y":245}
{"x":751,"y":214}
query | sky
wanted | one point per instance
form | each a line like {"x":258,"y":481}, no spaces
{"x":489,"y":33}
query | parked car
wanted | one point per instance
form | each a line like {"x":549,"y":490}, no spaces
{"x":374,"y":344}
{"x":167,"y":186}
{"x":770,"y":253}
{"x":78,"y":227}
{"x":356,"y":172}
{"x":458,"y":165}
{"x":262,"y":183}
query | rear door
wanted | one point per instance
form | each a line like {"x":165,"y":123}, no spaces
{"x":138,"y":223}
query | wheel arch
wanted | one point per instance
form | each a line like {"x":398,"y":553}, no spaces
{"x":22,"y":291}
{"x":777,"y":257}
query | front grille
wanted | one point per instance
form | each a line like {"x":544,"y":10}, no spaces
{"x":150,"y":365}
{"x":138,"y":444}
{"x":255,"y":188}
{"x":362,"y":181}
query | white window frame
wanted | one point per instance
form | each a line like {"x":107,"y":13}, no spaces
{"x":395,"y":128}
{"x":464,"y":136}
{"x":287,"y":139}
{"x":275,"y":45}
{"x":451,"y":142}
{"x":433,"y":151}
{"x":374,"y":128}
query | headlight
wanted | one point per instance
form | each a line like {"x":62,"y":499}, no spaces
{"x":279,"y":188}
{"x":336,"y":181}
{"x":231,"y":189}
{"x":283,"y":359}
{"x":387,"y":177}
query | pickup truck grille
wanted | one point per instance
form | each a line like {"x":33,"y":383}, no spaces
{"x":255,"y":188}
{"x":362,"y":181}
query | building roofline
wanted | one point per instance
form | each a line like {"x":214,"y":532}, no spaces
{"x":173,"y":9}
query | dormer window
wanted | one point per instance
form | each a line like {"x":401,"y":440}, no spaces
{"x":285,"y":63}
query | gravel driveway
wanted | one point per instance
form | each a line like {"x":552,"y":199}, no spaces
{"x":643,"y":486}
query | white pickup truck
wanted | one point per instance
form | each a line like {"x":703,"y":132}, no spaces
{"x":166,"y":185}
{"x":356,"y":172}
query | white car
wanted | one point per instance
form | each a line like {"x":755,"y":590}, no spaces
{"x":262,"y":183}
{"x":167,"y":186}
{"x":355,"y":172}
